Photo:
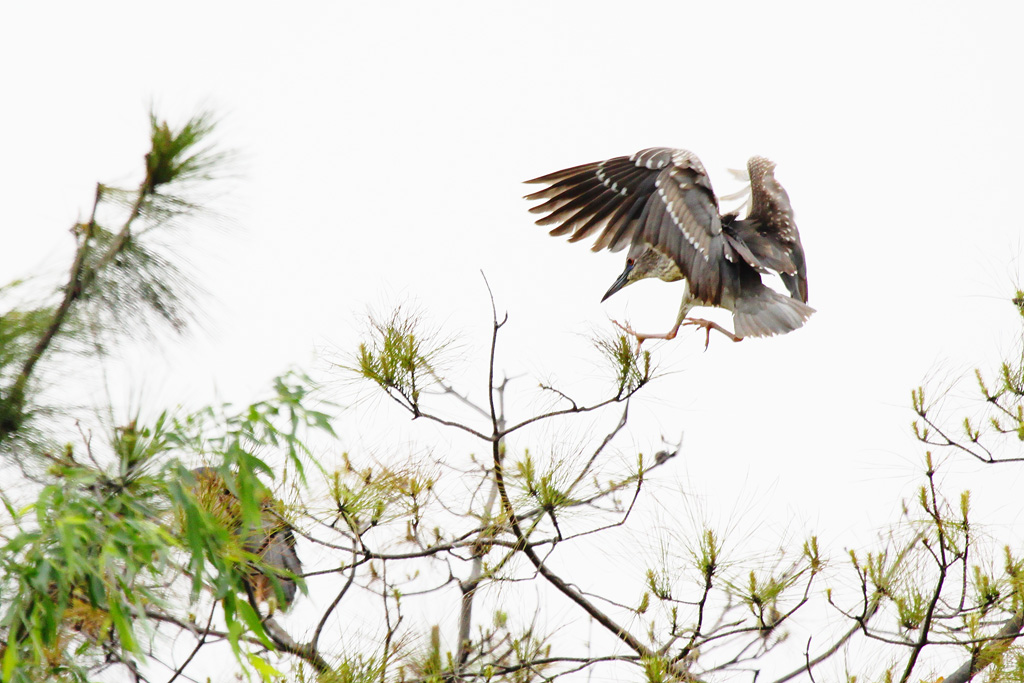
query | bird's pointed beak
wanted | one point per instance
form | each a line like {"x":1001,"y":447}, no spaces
{"x":621,"y":282}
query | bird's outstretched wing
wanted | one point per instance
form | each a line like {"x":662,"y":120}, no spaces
{"x":769,"y":230}
{"x":658,"y":196}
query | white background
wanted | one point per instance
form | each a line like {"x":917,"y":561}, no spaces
{"x":381,"y":148}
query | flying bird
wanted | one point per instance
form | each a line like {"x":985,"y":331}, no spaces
{"x":272,"y":579}
{"x":659,"y":203}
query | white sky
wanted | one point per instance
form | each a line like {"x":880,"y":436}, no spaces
{"x":381,"y":150}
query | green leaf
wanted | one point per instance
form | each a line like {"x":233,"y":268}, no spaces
{"x":10,"y":661}
{"x":124,"y":628}
{"x":252,"y":620}
{"x":263,"y":668}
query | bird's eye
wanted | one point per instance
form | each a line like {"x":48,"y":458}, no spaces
{"x":630,"y":262}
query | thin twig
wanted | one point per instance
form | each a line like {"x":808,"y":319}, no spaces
{"x":341,"y":594}
{"x":199,"y":645}
{"x":871,"y":608}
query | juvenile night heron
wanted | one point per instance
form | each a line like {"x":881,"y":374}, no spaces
{"x":272,"y":540}
{"x":660,"y":204}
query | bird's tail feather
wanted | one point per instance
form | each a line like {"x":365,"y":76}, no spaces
{"x":767,"y":312}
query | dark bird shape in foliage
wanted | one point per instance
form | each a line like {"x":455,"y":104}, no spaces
{"x":272,"y":581}
{"x":659,"y":203}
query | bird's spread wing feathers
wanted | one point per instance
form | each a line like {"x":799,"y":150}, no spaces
{"x":599,"y":197}
{"x":770,"y":202}
{"x":685,"y":190}
{"x":769,"y":229}
{"x":659,"y":196}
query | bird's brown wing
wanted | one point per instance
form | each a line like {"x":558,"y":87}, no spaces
{"x":769,"y":230}
{"x":603,"y":198}
{"x":658,"y":196}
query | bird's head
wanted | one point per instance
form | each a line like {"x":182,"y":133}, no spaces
{"x":645,"y":261}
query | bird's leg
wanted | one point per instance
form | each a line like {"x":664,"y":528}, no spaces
{"x":641,"y":338}
{"x":688,"y":302}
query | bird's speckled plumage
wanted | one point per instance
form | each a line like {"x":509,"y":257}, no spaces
{"x":272,"y":541}
{"x":661,"y":199}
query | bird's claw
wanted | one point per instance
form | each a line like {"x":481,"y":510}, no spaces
{"x":624,"y":327}
{"x":708,"y":326}
{"x":630,"y":331}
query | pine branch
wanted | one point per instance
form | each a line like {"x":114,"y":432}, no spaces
{"x":1002,"y":640}
{"x":175,"y":157}
{"x":14,"y":402}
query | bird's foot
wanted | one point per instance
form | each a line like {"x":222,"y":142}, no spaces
{"x":641,"y":338}
{"x":708,"y":326}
